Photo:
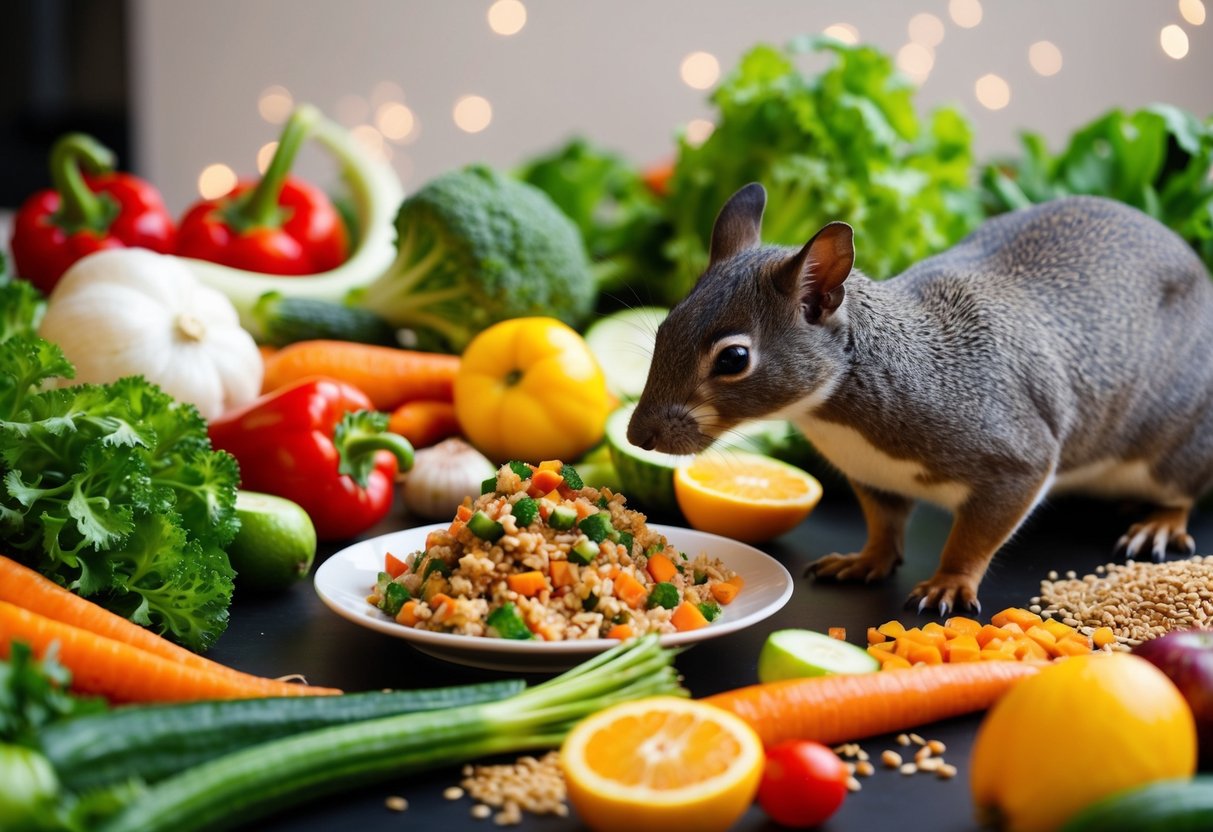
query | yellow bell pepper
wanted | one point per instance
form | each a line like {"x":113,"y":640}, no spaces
{"x":530,"y":389}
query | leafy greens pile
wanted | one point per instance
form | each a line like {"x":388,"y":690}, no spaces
{"x":1157,"y":159}
{"x":112,"y":490}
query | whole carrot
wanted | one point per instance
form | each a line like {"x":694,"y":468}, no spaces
{"x":834,"y":709}
{"x":25,"y":588}
{"x":424,"y":422}
{"x":389,"y":376}
{"x":122,"y":673}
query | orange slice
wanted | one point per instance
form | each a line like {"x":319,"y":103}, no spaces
{"x":662,"y":764}
{"x":744,"y":496}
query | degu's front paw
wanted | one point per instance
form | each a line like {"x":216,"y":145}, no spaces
{"x":1166,"y":530}
{"x":857,"y":566}
{"x":945,"y":592}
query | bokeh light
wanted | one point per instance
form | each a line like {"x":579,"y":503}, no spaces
{"x":965,"y":13}
{"x":507,"y":17}
{"x":275,"y":104}
{"x":993,"y":92}
{"x":700,"y":70}
{"x":1045,"y":57}
{"x":215,"y":181}
{"x":472,"y":113}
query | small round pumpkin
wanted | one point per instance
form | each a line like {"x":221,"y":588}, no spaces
{"x":1081,"y":729}
{"x":124,"y":312}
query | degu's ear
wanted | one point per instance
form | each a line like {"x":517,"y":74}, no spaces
{"x":739,"y":223}
{"x":815,"y":274}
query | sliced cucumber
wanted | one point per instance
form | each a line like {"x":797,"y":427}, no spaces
{"x":623,"y":344}
{"x":283,"y":320}
{"x":647,"y":477}
{"x":794,"y":654}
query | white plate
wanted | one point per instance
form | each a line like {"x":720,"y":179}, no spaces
{"x":346,"y":578}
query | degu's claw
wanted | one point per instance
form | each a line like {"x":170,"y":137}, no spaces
{"x":943,"y":609}
{"x":922,"y":605}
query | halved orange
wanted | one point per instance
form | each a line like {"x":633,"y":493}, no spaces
{"x":744,"y":496}
{"x":662,"y":764}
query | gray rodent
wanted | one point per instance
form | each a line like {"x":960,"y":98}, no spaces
{"x":1064,"y":347}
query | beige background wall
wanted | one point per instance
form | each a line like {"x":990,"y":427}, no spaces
{"x":609,"y":70}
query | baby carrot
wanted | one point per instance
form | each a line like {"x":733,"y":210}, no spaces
{"x":424,"y":422}
{"x":123,"y":673}
{"x":389,"y":376}
{"x":834,"y":709}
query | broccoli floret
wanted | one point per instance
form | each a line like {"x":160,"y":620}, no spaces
{"x":475,"y":247}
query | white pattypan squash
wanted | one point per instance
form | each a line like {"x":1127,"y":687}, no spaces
{"x":130,"y":311}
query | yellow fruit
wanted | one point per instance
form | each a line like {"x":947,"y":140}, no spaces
{"x":530,"y":389}
{"x":662,"y":764}
{"x":1083,"y":728}
{"x":744,"y":496}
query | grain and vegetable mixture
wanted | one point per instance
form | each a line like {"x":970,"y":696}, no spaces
{"x":541,"y":555}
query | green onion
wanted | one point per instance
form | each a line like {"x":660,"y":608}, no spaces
{"x":248,"y":784}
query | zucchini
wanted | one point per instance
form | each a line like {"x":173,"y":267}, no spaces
{"x":155,"y":741}
{"x":284,"y":319}
{"x":1163,"y":806}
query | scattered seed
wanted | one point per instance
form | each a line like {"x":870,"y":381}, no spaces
{"x":865,"y":769}
{"x":903,"y":739}
{"x":923,"y":754}
{"x":917,"y":740}
{"x":931,"y":764}
{"x":936,"y":747}
{"x":946,"y":772}
{"x":862,"y":756}
{"x":480,"y":811}
{"x":853,"y":785}
{"x":891,"y":759}
{"x":396,"y":803}
{"x":453,"y":793}
{"x":908,"y":768}
{"x":850,"y":768}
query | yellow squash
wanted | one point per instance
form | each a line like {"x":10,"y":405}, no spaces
{"x":1083,"y":728}
{"x":530,"y":389}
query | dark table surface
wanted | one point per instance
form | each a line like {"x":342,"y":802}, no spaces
{"x":295,"y":633}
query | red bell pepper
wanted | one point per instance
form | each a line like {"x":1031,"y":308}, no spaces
{"x":280,"y":225}
{"x":83,"y":214}
{"x":321,"y":444}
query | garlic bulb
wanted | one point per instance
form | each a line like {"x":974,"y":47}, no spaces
{"x":442,"y":476}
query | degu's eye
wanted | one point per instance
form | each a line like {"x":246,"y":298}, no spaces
{"x":730,"y":361}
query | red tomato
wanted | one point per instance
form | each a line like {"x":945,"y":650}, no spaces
{"x":803,"y":783}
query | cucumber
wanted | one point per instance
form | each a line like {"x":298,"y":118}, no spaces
{"x":646,"y":477}
{"x":283,"y":320}
{"x":795,"y":654}
{"x":1163,"y":806}
{"x":623,"y":344}
{"x":155,"y":741}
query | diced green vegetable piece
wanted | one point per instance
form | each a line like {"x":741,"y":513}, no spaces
{"x":701,"y":578}
{"x":654,"y":549}
{"x":620,"y":618}
{"x":507,"y":622}
{"x":489,"y":485}
{"x":602,"y":502}
{"x":485,"y":527}
{"x":381,"y":582}
{"x":682,"y":570}
{"x":590,"y":603}
{"x":525,"y":511}
{"x":393,"y":598}
{"x":597,"y":527}
{"x":562,"y":518}
{"x":664,"y":595}
{"x":626,"y":540}
{"x":613,"y":534}
{"x":521,"y":469}
{"x":683,"y":555}
{"x":435,"y":565}
{"x":710,"y":610}
{"x":583,"y":552}
{"x":571,"y":478}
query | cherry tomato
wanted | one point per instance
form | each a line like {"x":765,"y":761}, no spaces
{"x":803,"y":783}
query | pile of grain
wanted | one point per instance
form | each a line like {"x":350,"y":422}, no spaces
{"x":528,"y":785}
{"x":1139,"y":601}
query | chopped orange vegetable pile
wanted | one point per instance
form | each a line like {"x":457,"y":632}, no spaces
{"x":1012,"y":635}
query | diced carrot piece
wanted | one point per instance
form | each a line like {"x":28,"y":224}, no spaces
{"x":1072,"y":647}
{"x":996,"y":656}
{"x":892,"y":629}
{"x":687,"y":617}
{"x":1012,"y":628}
{"x":962,"y":649}
{"x":394,"y":566}
{"x":839,"y":633}
{"x":875,"y":636}
{"x":963,"y":626}
{"x":881,"y":650}
{"x":904,"y":646}
{"x":551,"y":465}
{"x":1041,"y":636}
{"x":1018,"y":615}
{"x":724,"y":592}
{"x":630,"y":591}
{"x":527,"y":584}
{"x":1085,"y":641}
{"x":408,"y":614}
{"x":1026,"y":648}
{"x":431,"y":539}
{"x":894,"y":662}
{"x":463,"y":513}
{"x":661,"y":568}
{"x":925,"y":654}
{"x":455,"y":527}
{"x":1058,"y":629}
{"x":442,"y":604}
{"x":988,"y":632}
{"x":1103,"y":636}
{"x":620,"y":631}
{"x":934,"y":628}
{"x":562,"y":573}
{"x":930,"y":639}
{"x":613,"y":572}
{"x":544,"y":481}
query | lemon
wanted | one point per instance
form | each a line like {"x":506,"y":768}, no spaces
{"x":744,"y":496}
{"x":662,"y":764}
{"x":275,"y":545}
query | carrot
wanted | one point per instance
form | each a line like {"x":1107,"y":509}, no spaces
{"x":408,"y":613}
{"x":544,"y":481}
{"x":661,"y":568}
{"x":124,"y":673}
{"x":630,"y":591}
{"x":725,"y":592}
{"x":527,"y":584}
{"x":620,"y":631}
{"x":424,"y":422}
{"x":562,"y":573}
{"x":845,"y":707}
{"x":394,"y":566}
{"x":687,"y":617}
{"x":388,"y":375}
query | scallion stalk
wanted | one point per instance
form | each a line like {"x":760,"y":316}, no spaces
{"x":250,"y":783}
